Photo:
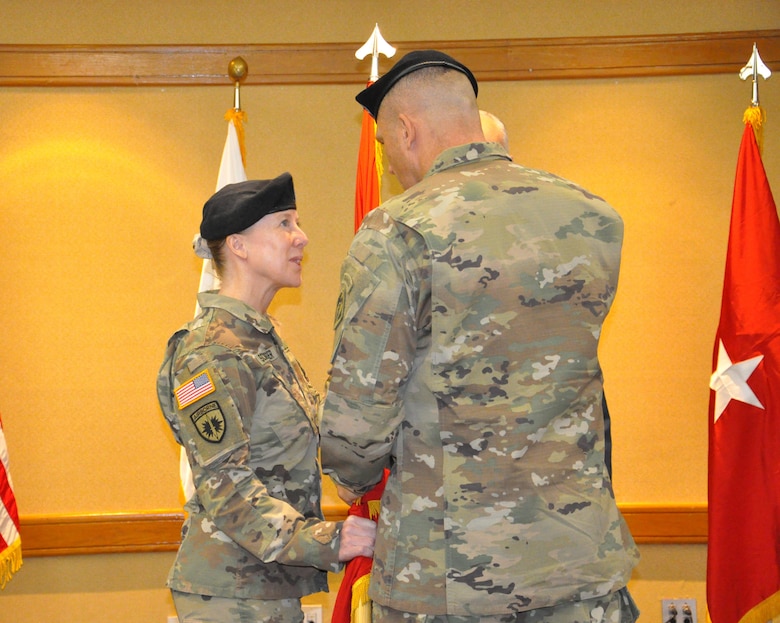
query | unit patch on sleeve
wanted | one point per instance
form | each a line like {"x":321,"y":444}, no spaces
{"x":194,"y":389}
{"x":209,"y":421}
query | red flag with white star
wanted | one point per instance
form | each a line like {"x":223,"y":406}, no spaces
{"x":743,"y":561}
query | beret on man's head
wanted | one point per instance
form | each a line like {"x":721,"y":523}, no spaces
{"x":371,"y":97}
{"x":235,"y":207}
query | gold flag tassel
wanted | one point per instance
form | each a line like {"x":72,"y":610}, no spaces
{"x":238,"y":117}
{"x":756,"y":117}
{"x":237,"y":70}
{"x":378,"y":155}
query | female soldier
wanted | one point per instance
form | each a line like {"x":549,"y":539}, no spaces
{"x":254,"y":540}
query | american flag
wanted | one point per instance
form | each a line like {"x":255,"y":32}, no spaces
{"x":10,"y":541}
{"x":194,"y":389}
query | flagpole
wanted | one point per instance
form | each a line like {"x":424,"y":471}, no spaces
{"x":232,"y":169}
{"x":369,"y":168}
{"x":743,"y":571}
{"x":352,"y":604}
{"x":237,"y":70}
{"x":754,"y":115}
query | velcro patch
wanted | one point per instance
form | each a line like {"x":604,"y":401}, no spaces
{"x":209,"y":421}
{"x":194,"y":389}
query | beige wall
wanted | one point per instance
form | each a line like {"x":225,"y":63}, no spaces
{"x":102,"y":190}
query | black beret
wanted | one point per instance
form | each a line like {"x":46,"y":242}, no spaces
{"x":371,"y":97}
{"x":235,"y":207}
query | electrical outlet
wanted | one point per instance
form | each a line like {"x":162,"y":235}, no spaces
{"x":312,"y":614}
{"x":679,"y":611}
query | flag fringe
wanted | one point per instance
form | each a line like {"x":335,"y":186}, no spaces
{"x":10,"y":561}
{"x":380,"y":167}
{"x":755,"y":116}
{"x":360,"y":599}
{"x":765,"y":611}
{"x":374,"y":506}
{"x":238,"y":117}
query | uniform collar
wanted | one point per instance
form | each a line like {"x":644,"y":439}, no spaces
{"x":235,"y":307}
{"x":463,"y":154}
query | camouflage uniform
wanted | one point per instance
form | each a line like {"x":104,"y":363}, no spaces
{"x":466,"y":360}
{"x":241,"y":405}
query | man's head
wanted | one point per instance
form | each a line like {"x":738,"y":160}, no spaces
{"x":371,"y":97}
{"x":427,"y":103}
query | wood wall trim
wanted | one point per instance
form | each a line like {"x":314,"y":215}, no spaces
{"x":335,"y":63}
{"x":159,"y":531}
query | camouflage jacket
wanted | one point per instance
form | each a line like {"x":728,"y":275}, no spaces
{"x":465,"y":359}
{"x":241,"y":405}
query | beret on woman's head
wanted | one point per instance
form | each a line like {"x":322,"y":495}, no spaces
{"x":235,"y":207}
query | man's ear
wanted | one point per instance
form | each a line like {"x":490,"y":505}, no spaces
{"x":408,"y":130}
{"x":235,"y":244}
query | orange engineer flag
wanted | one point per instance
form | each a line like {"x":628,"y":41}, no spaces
{"x":743,"y":560}
{"x":369,"y":170}
{"x":10,"y":541}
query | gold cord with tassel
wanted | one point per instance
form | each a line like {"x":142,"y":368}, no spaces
{"x":238,"y":117}
{"x":756,"y":117}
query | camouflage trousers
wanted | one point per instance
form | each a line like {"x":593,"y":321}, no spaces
{"x":192,"y":608}
{"x":617,"y":607}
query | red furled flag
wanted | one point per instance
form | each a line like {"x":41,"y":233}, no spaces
{"x":352,"y":603}
{"x":743,"y":561}
{"x":369,"y":170}
{"x":10,"y":541}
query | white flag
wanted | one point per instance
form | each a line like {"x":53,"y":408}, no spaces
{"x":231,"y":170}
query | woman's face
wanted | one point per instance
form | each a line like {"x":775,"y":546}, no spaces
{"x":275,"y":249}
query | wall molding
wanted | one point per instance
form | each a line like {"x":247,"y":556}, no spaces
{"x":158,"y":531}
{"x":32,"y":65}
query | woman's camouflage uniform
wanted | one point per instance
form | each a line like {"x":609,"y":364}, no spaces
{"x":238,"y":401}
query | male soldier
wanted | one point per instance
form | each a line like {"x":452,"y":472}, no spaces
{"x":466,"y":361}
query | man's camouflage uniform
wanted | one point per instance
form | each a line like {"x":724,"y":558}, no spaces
{"x":466,"y":360}
{"x":241,"y":405}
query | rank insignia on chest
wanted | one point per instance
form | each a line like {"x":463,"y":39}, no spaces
{"x":209,"y":422}
{"x":194,"y":389}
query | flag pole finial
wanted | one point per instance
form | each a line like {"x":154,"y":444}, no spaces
{"x":237,"y":70}
{"x":375,"y":46}
{"x":754,"y":115}
{"x":755,"y":67}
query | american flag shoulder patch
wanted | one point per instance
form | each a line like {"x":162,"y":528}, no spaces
{"x":194,"y":389}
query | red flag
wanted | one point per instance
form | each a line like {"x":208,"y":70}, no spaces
{"x":743,"y":562}
{"x":10,"y":541}
{"x":352,"y":604}
{"x":369,"y":170}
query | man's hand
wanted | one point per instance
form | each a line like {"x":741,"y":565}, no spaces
{"x":357,"y":538}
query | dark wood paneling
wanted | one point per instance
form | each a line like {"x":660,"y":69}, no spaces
{"x":335,"y":63}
